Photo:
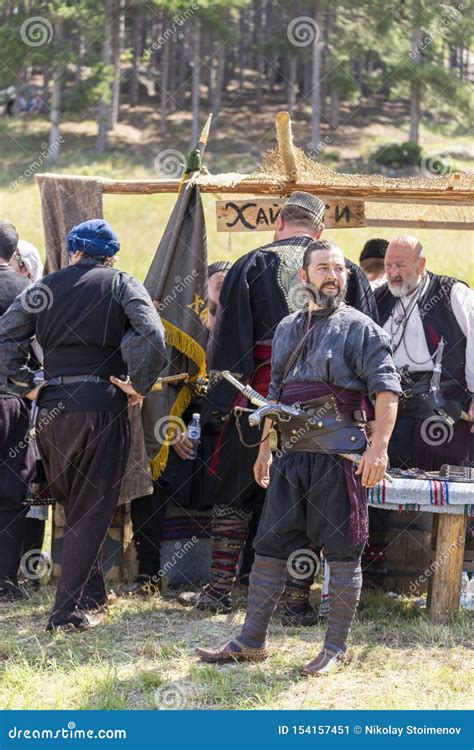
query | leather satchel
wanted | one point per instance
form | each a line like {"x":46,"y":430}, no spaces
{"x":324,"y":430}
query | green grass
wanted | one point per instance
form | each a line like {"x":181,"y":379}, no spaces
{"x":143,"y":657}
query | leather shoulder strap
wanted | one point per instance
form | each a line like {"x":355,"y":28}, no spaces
{"x":295,"y":353}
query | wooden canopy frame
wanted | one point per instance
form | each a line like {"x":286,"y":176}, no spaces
{"x":399,"y":203}
{"x":449,"y":200}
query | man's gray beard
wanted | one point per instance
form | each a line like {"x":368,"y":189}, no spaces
{"x":405,"y":289}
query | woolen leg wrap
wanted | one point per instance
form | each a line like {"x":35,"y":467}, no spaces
{"x":297,"y":593}
{"x":267,"y":583}
{"x":345,"y":584}
{"x":229,"y":532}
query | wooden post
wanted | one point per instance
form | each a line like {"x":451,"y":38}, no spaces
{"x":129,"y":566}
{"x":445,"y":583}
{"x":285,"y":145}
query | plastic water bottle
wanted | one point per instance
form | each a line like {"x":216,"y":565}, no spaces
{"x":193,"y":433}
{"x":470,"y":594}
{"x":465,"y":600}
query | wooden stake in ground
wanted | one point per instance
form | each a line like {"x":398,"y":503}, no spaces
{"x":285,"y":145}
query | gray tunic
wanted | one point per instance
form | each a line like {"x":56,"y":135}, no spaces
{"x":345,"y":349}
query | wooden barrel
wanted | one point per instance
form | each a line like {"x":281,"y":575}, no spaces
{"x":398,"y":554}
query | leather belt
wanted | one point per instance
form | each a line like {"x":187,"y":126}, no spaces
{"x":71,"y":379}
{"x":422,"y":387}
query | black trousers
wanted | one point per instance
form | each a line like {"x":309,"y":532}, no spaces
{"x":148,"y":514}
{"x":16,"y":472}
{"x":306,"y":503}
{"x":232,"y":464}
{"x":33,"y":536}
{"x":84,"y":455}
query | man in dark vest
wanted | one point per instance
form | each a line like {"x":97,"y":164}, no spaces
{"x":420,"y":309}
{"x":16,"y":457}
{"x":259,"y":291}
{"x":103,"y":345}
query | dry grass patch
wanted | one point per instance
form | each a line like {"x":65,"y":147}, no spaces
{"x":143,"y":658}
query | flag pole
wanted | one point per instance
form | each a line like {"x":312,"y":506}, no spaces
{"x":194,"y":162}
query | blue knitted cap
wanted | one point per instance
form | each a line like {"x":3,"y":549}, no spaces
{"x":94,"y":237}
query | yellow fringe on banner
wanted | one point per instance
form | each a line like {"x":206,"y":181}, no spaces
{"x":190,"y":348}
{"x":185,"y":344}
{"x":157,"y":464}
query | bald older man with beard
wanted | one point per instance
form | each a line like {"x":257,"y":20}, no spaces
{"x":418,"y":308}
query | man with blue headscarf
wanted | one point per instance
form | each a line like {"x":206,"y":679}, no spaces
{"x":104,"y":347}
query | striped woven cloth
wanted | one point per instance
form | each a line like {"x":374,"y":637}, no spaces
{"x":432,"y":495}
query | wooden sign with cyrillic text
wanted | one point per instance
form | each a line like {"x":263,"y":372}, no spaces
{"x":261,"y":214}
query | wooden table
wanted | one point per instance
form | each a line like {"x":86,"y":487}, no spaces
{"x":450,"y":503}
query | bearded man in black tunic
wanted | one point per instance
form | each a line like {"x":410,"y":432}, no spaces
{"x":259,"y":291}
{"x":329,"y":358}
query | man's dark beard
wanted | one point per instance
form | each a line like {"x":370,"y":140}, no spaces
{"x":326,"y":301}
{"x":212,"y":307}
